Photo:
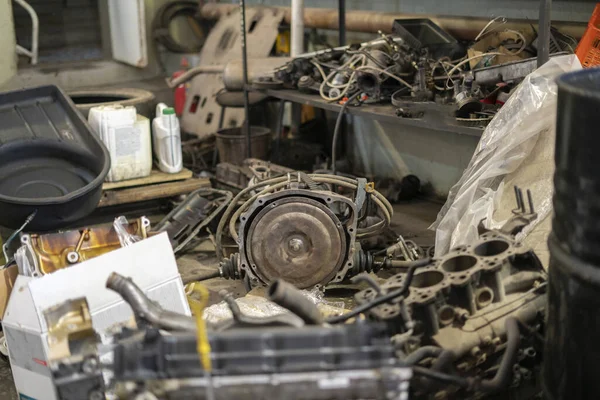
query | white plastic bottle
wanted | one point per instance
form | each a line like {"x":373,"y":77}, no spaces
{"x":166,"y":138}
{"x":127,"y":137}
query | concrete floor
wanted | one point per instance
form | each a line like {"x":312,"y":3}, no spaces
{"x":411,"y":219}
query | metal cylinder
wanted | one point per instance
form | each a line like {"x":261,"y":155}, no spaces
{"x":572,"y":349}
{"x":465,"y":28}
{"x":297,"y":22}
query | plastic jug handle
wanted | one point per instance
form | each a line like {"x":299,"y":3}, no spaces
{"x":159,"y":109}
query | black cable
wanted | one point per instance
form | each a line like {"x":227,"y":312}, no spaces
{"x":337,"y":129}
{"x":385,"y":298}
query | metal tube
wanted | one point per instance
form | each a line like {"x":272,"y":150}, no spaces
{"x":464,"y":28}
{"x":245,"y":75}
{"x":145,"y":309}
{"x":544,"y":32}
{"x":297,"y":23}
{"x":342,"y":22}
{"x":35,"y":27}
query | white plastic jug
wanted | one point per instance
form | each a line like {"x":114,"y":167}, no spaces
{"x":127,"y":137}
{"x":166,"y":139}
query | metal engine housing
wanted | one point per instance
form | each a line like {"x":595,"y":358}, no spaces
{"x":306,"y":237}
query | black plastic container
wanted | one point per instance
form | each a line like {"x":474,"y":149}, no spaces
{"x":50,"y":160}
{"x":572,"y":348}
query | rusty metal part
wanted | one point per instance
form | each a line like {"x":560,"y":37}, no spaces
{"x":251,"y":172}
{"x":465,"y":28}
{"x":297,"y":239}
{"x":464,"y":296}
{"x":296,"y":235}
{"x":68,"y":322}
{"x":50,"y":252}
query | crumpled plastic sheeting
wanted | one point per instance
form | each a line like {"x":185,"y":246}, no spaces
{"x":256,"y":306}
{"x":509,"y":139}
{"x":125,"y":238}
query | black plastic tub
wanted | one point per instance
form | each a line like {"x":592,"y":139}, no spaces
{"x":50,"y":160}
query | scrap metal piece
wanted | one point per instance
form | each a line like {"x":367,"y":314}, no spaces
{"x":49,"y":252}
{"x":252,"y":172}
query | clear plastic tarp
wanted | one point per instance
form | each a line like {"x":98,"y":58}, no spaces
{"x":516,"y":148}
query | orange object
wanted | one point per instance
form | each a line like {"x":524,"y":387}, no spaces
{"x":588,"y":50}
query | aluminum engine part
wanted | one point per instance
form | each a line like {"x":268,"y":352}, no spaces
{"x":464,"y":297}
{"x":43,"y":254}
{"x":351,"y":361}
{"x":253,"y":171}
{"x":296,"y":235}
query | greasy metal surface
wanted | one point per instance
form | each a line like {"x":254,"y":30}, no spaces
{"x":67,"y":322}
{"x":296,"y":239}
{"x":332,"y":200}
{"x":53,"y":251}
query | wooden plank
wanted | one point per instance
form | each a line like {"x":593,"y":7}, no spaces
{"x":155,"y":176}
{"x":151,"y":192}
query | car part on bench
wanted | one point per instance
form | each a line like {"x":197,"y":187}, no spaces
{"x":51,"y":160}
{"x":196,"y":212}
{"x":43,"y":254}
{"x":461,"y":303}
{"x":299,"y":230}
{"x":572,"y":351}
{"x":249,"y":173}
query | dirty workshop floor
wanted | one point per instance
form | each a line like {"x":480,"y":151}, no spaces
{"x":411,"y":219}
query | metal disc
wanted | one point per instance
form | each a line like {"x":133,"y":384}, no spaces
{"x":299,"y":240}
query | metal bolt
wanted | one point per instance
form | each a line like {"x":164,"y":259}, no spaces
{"x":476,"y":351}
{"x":296,"y":244}
{"x":72,"y":257}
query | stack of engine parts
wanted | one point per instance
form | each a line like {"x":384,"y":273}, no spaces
{"x":302,"y":228}
{"x":418,"y":63}
{"x":168,"y":355}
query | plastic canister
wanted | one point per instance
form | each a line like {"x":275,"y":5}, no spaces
{"x":127,"y":137}
{"x":166,"y":139}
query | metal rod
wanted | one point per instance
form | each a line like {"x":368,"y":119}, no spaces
{"x":342,"y":21}
{"x":544,"y":32}
{"x":245,"y":73}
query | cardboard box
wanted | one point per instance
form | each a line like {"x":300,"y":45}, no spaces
{"x":8,"y":276}
{"x":150,"y":263}
{"x":492,"y":41}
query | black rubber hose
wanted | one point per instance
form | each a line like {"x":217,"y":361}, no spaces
{"x":423,"y":353}
{"x":504,"y":374}
{"x":147,"y":310}
{"x":289,"y":297}
{"x":386,"y":297}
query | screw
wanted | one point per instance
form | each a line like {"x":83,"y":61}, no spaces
{"x":90,"y":365}
{"x":72,"y":257}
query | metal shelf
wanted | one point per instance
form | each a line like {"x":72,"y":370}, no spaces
{"x":437,"y":117}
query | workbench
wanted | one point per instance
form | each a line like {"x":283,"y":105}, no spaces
{"x":437,"y":116}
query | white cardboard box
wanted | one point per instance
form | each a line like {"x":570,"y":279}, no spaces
{"x":150,"y":263}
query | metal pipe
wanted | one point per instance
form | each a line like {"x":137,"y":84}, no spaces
{"x":297,"y":23}
{"x":465,"y":28}
{"x":342,"y":22}
{"x":35,"y":27}
{"x":245,"y":76}
{"x":147,"y":310}
{"x":544,"y":32}
{"x":504,"y":374}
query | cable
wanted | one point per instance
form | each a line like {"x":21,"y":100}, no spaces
{"x":198,"y":278}
{"x":460,"y":64}
{"x":485,"y":28}
{"x":446,"y":378}
{"x":337,"y":129}
{"x":385,"y":298}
